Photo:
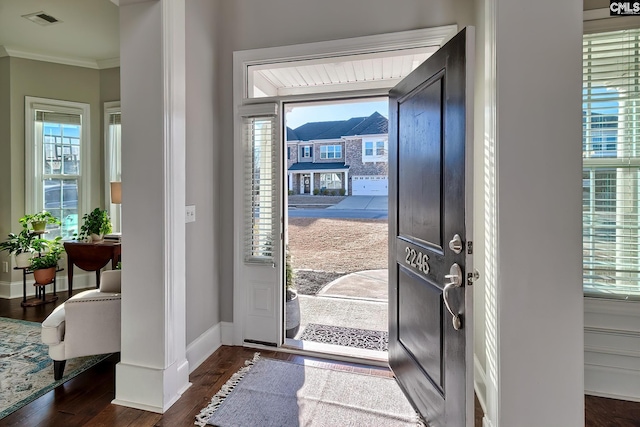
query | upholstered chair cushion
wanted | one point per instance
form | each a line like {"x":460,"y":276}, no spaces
{"x":110,"y":281}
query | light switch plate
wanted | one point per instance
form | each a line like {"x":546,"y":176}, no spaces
{"x":190,"y":214}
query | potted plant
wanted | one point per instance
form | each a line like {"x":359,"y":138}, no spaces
{"x":292,"y":304}
{"x":96,"y":224}
{"x":44,"y":265}
{"x":39,"y":221}
{"x":22,"y":246}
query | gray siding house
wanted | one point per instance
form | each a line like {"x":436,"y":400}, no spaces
{"x":339,"y":157}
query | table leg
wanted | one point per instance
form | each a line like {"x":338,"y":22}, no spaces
{"x":70,"y":274}
{"x":97,"y":278}
{"x":24,"y":285}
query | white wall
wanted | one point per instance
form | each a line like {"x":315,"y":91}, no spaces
{"x":539,"y":324}
{"x":203,"y":185}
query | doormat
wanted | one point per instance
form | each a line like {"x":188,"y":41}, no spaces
{"x":348,"y":337}
{"x":26,"y":370}
{"x":275,"y":393}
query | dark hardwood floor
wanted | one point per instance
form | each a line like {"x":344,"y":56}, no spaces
{"x":86,"y":399}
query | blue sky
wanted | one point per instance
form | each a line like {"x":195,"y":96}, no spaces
{"x":301,"y":113}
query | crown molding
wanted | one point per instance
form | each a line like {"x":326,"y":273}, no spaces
{"x":108,"y":63}
{"x":64,"y":60}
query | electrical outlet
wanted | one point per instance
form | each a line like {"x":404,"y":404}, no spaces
{"x":5,"y":267}
{"x":190,"y":213}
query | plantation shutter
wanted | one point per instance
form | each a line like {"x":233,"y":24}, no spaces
{"x":261,"y":217}
{"x":611,"y":164}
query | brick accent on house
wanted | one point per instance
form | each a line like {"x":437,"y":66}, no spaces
{"x":292,"y":148}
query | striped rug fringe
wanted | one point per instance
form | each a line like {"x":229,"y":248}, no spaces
{"x":227,"y":388}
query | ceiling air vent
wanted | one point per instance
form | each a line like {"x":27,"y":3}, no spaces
{"x":41,"y":18}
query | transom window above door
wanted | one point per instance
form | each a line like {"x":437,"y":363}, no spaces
{"x":361,"y":63}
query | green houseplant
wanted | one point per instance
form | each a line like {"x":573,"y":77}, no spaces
{"x":22,"y":246}
{"x":44,"y":265}
{"x":39,"y":221}
{"x":95,"y":225}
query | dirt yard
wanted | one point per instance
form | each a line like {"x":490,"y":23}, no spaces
{"x":338,"y":245}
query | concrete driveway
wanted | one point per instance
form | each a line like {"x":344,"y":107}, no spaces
{"x":363,"y":202}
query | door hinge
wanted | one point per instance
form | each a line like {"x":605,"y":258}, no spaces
{"x":469,"y":247}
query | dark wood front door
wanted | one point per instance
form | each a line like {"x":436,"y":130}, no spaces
{"x":430,"y":347}
{"x":306,"y":179}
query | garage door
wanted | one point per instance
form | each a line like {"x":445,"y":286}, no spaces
{"x":369,"y":185}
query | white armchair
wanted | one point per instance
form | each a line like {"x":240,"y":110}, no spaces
{"x":86,"y":324}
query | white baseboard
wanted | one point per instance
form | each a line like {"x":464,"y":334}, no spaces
{"x":480,"y":383}
{"x":226,"y":332}
{"x":614,"y":383}
{"x":83,"y":280}
{"x":204,"y":346}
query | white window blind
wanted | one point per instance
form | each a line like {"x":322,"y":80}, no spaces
{"x":611,"y":164}
{"x":261,"y":217}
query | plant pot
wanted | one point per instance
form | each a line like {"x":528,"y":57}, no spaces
{"x":38,"y":225}
{"x":292,"y":314}
{"x":96,"y":237}
{"x":44,"y":276}
{"x":23,"y":259}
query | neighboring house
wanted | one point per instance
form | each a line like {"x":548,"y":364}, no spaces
{"x":348,"y":155}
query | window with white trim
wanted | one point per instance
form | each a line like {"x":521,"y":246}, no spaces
{"x":113,"y":159}
{"x":56,"y":153}
{"x":331,"y":152}
{"x":374,"y":150}
{"x":306,"y":152}
{"x":611,"y":164}
{"x":330,"y":180}
{"x":368,"y":148}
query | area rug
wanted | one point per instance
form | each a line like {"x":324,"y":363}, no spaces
{"x":274,"y":393}
{"x":348,"y":337}
{"x":26,"y":371}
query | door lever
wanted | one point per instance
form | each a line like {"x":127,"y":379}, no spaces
{"x":455,"y":275}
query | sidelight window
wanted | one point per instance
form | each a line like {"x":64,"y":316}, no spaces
{"x":611,"y":164}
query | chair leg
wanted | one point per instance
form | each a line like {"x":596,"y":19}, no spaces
{"x":58,"y":369}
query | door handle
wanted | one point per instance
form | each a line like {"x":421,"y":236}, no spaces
{"x":455,"y":277}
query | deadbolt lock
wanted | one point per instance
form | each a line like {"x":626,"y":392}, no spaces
{"x":455,"y":244}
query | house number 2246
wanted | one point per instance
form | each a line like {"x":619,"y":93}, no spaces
{"x":417,"y":260}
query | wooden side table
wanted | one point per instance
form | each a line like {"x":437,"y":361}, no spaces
{"x":91,"y":257}
{"x":40,"y":297}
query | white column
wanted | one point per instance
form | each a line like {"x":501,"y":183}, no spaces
{"x":312,"y":182}
{"x":533,"y":268}
{"x":153,"y":371}
{"x":346,"y":182}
